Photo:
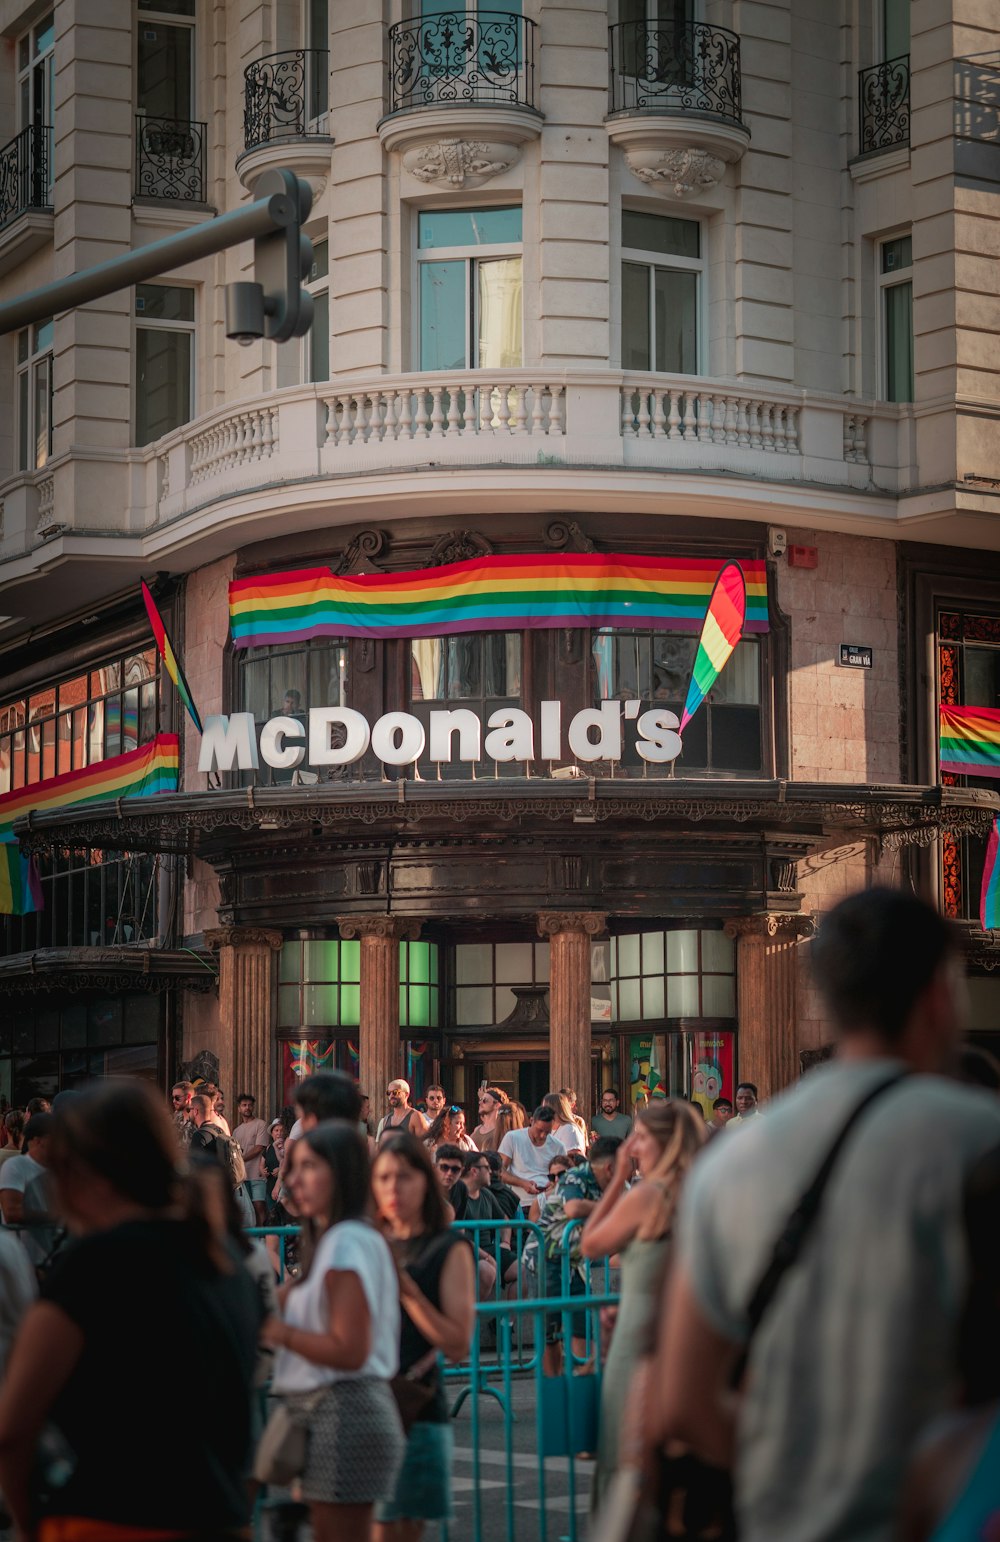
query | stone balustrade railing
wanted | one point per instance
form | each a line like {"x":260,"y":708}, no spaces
{"x":573,"y":425}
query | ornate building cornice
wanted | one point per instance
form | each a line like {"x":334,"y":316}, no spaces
{"x":107,"y":969}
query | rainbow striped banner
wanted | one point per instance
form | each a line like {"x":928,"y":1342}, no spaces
{"x":970,"y":741}
{"x":989,"y":897}
{"x":486,"y":594}
{"x":150,"y":769}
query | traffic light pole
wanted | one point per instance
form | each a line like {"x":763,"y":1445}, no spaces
{"x":277,"y":212}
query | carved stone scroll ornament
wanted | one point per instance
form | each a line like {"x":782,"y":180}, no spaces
{"x":676,"y":172}
{"x":359,"y":552}
{"x":459,"y":546}
{"x":770,"y":925}
{"x":590,"y":922}
{"x":243,"y":937}
{"x":566,"y":535}
{"x":386,"y":927}
{"x":459,"y":162}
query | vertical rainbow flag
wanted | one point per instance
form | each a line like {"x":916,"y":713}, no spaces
{"x":989,"y":898}
{"x":970,"y":741}
{"x":721,"y":630}
{"x":149,"y":769}
{"x":169,"y":658}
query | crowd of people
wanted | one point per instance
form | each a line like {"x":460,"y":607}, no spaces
{"x":797,"y":1306}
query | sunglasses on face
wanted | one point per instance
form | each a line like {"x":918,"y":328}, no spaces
{"x":448,"y":1167}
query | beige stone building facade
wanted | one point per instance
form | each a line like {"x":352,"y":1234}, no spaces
{"x":689,"y":278}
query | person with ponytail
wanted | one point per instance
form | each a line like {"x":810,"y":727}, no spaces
{"x":637,"y":1222}
{"x":145,"y":1282}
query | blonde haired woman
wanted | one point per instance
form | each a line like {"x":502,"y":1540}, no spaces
{"x":509,"y":1116}
{"x":637,"y":1222}
{"x":570,"y":1131}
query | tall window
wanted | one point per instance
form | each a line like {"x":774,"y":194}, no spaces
{"x":317,"y":28}
{"x":164,"y":359}
{"x":286,"y":682}
{"x":34,"y":396}
{"x":317,"y":339}
{"x":36,"y":98}
{"x":469,"y":283}
{"x":165,"y":77}
{"x":655,"y":667}
{"x":479,"y":670}
{"x":661,"y":293}
{"x":895,"y":28}
{"x":91,"y":898}
{"x":896,"y":296}
{"x":45,"y":1048}
{"x":968,"y":676}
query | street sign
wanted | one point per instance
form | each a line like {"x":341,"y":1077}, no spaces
{"x":855,"y":656}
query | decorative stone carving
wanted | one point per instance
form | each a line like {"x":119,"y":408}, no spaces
{"x":589,"y":923}
{"x":566,"y":535}
{"x":387,"y":928}
{"x":243,"y":937}
{"x":459,"y":546}
{"x":459,"y":162}
{"x":676,"y":172}
{"x":786,"y":926}
{"x":359,"y":552}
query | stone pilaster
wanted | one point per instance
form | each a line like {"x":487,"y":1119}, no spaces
{"x":246,"y":958}
{"x":766,"y":973}
{"x":380,"y":1050}
{"x":570,"y":933}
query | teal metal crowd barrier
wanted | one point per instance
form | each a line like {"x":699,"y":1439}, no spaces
{"x":525,"y":1421}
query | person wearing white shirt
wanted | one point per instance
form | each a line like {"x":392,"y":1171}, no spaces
{"x":569,"y":1131}
{"x":338,"y":1336}
{"x":526,"y":1155}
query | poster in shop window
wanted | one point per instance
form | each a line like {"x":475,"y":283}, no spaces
{"x":712,"y":1074}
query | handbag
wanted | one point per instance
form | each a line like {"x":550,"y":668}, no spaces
{"x":412,"y":1395}
{"x":281,"y":1450}
{"x":683,"y":1498}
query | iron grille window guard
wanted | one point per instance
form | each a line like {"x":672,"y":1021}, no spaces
{"x":169,"y":159}
{"x":675,"y":67}
{"x":285,"y":97}
{"x":884,"y":105}
{"x":461,"y":57}
{"x":24,"y":172}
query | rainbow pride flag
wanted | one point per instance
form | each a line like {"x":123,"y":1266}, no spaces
{"x":970,"y":741}
{"x":720,"y":632}
{"x":486,"y":594}
{"x":169,"y":658}
{"x":989,"y":897}
{"x":150,"y":769}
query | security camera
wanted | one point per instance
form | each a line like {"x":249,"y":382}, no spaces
{"x":245,"y":313}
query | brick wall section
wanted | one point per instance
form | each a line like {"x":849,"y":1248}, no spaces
{"x":206,"y":627}
{"x":844,"y":723}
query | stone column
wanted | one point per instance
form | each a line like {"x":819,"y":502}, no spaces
{"x":766,"y":973}
{"x":380,"y":1049}
{"x":245,"y":996}
{"x":570,"y":933}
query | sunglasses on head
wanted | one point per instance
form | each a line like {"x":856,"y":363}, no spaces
{"x":454,"y":1109}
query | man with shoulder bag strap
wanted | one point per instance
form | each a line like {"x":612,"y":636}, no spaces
{"x":830,"y":1233}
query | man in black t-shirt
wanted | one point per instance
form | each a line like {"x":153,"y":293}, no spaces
{"x":208,"y":1140}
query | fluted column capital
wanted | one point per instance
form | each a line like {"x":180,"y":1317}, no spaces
{"x":389,"y":928}
{"x":589,"y":923}
{"x":243,"y":937}
{"x":770,"y":924}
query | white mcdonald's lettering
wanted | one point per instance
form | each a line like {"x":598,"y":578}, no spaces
{"x":399,"y":738}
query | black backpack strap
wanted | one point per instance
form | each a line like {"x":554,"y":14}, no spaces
{"x":797,"y":1228}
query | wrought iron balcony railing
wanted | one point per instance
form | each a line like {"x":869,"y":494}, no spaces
{"x":286,"y":97}
{"x":884,"y":105}
{"x":671,"y":67}
{"x":169,"y":159}
{"x":25,"y":172}
{"x":459,"y":57}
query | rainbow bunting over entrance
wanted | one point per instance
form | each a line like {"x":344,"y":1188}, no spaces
{"x":970,"y":741}
{"x":989,"y":898}
{"x":488,"y":594}
{"x":140,"y":773}
{"x":720,"y":632}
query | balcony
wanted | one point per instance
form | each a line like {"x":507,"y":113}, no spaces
{"x":461,"y":95}
{"x":169,"y":160}
{"x":285,"y":115}
{"x":25,"y":195}
{"x":675,"y":103}
{"x":884,"y":106}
